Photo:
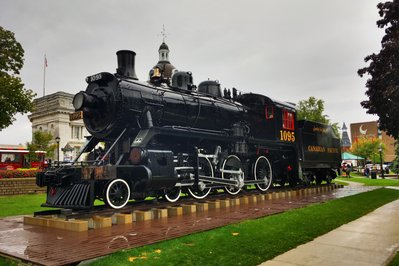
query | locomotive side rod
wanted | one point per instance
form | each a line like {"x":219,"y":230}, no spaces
{"x":214,"y":180}
{"x":218,"y":180}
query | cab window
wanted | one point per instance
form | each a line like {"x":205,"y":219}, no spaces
{"x":269,"y":111}
{"x":288,"y":120}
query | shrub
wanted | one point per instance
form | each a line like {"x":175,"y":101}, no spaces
{"x":19,"y":173}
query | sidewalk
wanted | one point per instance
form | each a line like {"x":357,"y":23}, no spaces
{"x":370,"y":240}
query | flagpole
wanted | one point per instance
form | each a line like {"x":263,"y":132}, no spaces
{"x":44,"y":75}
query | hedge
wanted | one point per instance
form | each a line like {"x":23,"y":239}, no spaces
{"x":18,"y":173}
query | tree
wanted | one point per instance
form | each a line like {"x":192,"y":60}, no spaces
{"x":41,"y":142}
{"x":368,"y":148}
{"x":395,"y":163}
{"x":383,"y":85}
{"x":312,"y":109}
{"x":14,"y":98}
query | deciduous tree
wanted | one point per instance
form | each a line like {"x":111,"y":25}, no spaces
{"x":383,"y":69}
{"x":312,"y":109}
{"x":14,"y":98}
{"x":368,"y":148}
{"x":41,"y":141}
{"x":395,"y":164}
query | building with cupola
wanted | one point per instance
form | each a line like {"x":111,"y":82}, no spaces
{"x":162,"y":72}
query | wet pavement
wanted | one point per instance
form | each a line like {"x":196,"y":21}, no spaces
{"x":48,"y":246}
{"x":370,"y":240}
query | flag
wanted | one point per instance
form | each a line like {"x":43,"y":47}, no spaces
{"x":45,"y":61}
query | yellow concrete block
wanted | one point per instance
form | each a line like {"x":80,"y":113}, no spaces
{"x":57,"y":223}
{"x":201,"y":207}
{"x":77,"y":225}
{"x":244,"y":200}
{"x":100,"y":222}
{"x":235,"y":202}
{"x":269,"y":196}
{"x":160,"y":213}
{"x":35,"y":221}
{"x":175,"y":211}
{"x":122,"y":218}
{"x":214,"y":205}
{"x":141,"y":216}
{"x":276,"y":195}
{"x":189,"y":208}
{"x":225,"y":203}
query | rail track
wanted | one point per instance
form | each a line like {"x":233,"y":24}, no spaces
{"x":160,"y":203}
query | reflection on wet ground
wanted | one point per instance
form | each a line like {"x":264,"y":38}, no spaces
{"x":50,"y":246}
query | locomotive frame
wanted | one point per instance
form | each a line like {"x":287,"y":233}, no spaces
{"x":162,"y":138}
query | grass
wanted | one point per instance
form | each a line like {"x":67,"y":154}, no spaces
{"x":25,"y":204}
{"x":371,"y":182}
{"x":254,"y":241}
{"x":395,"y":260}
{"x":10,"y":262}
{"x":21,"y":204}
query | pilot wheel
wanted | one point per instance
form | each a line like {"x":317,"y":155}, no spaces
{"x":117,"y":193}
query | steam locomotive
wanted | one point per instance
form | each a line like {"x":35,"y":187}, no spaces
{"x":167,"y":136}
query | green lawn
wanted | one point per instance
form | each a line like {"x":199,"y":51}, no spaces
{"x":371,"y":182}
{"x":254,"y":241}
{"x":246,"y":243}
{"x":395,"y":260}
{"x":25,"y":204}
{"x":21,"y":204}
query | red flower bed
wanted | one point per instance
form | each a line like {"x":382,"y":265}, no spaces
{"x":17,"y":173}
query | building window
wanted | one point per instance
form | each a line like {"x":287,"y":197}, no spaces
{"x":288,"y":120}
{"x":76,"y":132}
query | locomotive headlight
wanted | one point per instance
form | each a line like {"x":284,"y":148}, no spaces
{"x":78,"y":101}
{"x":83,"y":99}
{"x":137,"y":155}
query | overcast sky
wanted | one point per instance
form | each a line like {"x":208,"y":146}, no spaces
{"x":288,"y":50}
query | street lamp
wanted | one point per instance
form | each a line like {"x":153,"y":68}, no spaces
{"x":57,"y":139}
{"x":382,"y":170}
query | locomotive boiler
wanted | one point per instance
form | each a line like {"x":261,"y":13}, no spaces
{"x":167,"y":136}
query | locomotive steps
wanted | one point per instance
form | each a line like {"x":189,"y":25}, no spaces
{"x":101,"y":220}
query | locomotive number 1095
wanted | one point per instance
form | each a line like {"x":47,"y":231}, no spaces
{"x":287,"y":136}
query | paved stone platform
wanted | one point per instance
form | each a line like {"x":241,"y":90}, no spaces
{"x":51,"y":246}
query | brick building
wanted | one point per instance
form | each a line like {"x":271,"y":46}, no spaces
{"x":370,"y":130}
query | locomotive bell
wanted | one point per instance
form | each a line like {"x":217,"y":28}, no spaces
{"x":126,"y":63}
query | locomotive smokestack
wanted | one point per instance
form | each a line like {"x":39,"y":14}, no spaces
{"x":126,"y":63}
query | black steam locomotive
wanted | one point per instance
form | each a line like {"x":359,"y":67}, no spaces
{"x":167,"y":136}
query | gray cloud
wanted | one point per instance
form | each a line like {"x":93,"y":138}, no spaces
{"x":288,"y":50}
